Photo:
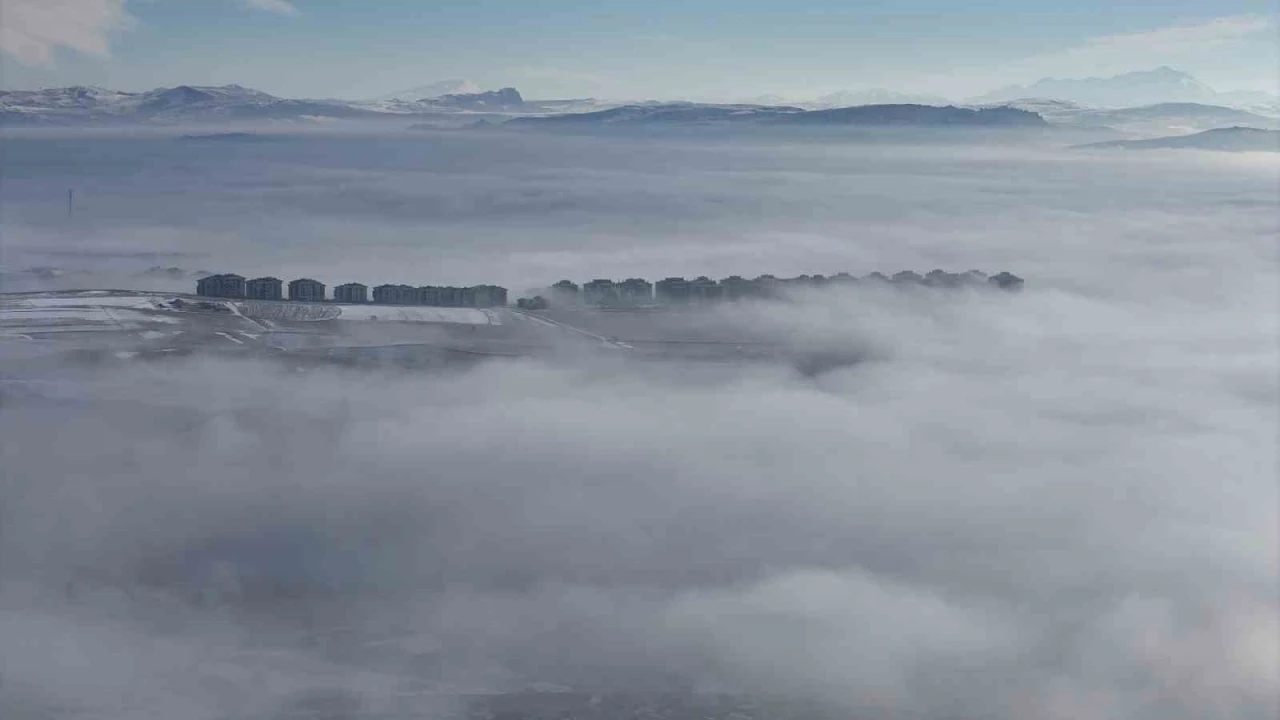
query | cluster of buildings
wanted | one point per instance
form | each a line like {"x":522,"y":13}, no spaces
{"x":230,"y":285}
{"x":678,"y":291}
{"x":601,"y":292}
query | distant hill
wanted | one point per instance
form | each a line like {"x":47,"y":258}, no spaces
{"x":1147,"y":87}
{"x":73,"y":106}
{"x":91,"y":105}
{"x":866,"y":115}
{"x":1149,"y":120}
{"x":661,"y":114}
{"x":1232,"y":139}
{"x":230,"y":137}
{"x":504,"y":99}
{"x":927,"y":115}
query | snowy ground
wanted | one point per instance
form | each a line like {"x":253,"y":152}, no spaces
{"x":467,"y":316}
{"x":311,"y":312}
{"x":123,"y":324}
{"x":81,"y":313}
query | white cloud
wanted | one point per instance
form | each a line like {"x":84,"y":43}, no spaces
{"x":31,"y":30}
{"x":279,"y":7}
{"x":1123,"y":52}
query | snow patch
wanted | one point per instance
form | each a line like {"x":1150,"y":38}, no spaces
{"x":423,"y":314}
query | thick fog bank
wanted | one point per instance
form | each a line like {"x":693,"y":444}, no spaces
{"x":1059,"y":503}
{"x":524,"y":210}
{"x":1046,"y":505}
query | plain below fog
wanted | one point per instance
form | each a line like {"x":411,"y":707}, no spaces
{"x":1059,"y":504}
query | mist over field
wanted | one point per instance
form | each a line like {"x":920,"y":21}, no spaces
{"x":1058,"y":503}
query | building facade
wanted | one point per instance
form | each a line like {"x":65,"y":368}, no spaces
{"x":351,"y":293}
{"x":672,"y":290}
{"x":703,"y":289}
{"x":395,"y":295}
{"x":264,"y":288}
{"x":306,"y":289}
{"x":600,"y":291}
{"x":736,"y":287}
{"x":429,"y":295}
{"x":207,"y":286}
{"x":228,"y":285}
{"x":450,"y":296}
{"x":635,"y":291}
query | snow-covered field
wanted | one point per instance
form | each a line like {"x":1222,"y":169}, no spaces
{"x":92,"y":298}
{"x":45,"y":320}
{"x":89,"y":311}
{"x":287,"y":311}
{"x":310,"y":312}
{"x":395,"y":313}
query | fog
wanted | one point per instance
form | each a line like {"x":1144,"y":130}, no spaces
{"x":1059,"y":503}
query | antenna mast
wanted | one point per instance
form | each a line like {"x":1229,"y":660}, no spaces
{"x":70,"y":200}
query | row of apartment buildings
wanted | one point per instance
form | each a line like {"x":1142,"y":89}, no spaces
{"x":599,"y":292}
{"x":677,"y":290}
{"x":443,"y":296}
{"x":230,"y":285}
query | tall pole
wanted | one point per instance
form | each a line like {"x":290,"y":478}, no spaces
{"x":70,"y":199}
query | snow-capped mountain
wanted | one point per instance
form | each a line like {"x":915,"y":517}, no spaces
{"x":79,"y":97}
{"x":90,"y":105}
{"x":507,"y":98}
{"x":1146,"y":87}
{"x":78,"y":106}
{"x":1147,"y":120}
{"x":434,"y":90}
{"x":198,"y":104}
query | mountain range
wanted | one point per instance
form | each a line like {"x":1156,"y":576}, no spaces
{"x":1144,"y":87}
{"x":1085,"y":104}
{"x":187,"y":103}
{"x":863,"y":115}
{"x":1146,"y":120}
{"x":92,"y":105}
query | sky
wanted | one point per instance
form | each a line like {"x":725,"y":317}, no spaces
{"x":662,"y":49}
{"x":1055,"y":504}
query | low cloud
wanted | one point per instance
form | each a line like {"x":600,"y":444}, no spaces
{"x":31,"y":31}
{"x":1123,"y":52}
{"x":1055,"y":504}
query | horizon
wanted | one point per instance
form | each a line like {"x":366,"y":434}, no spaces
{"x":889,"y":96}
{"x":706,"y":50}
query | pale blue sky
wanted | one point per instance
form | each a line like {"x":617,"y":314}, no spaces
{"x":711,"y":49}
